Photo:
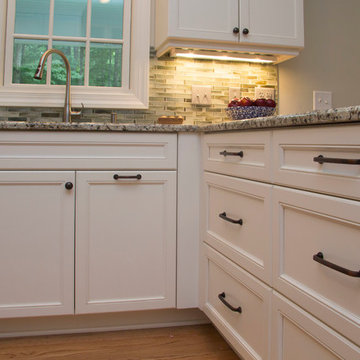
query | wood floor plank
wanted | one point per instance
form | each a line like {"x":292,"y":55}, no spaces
{"x":201,"y":342}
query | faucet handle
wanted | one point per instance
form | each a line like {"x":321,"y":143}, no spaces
{"x":78,"y":112}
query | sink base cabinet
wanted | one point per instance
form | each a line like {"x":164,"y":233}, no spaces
{"x":125,"y":241}
{"x":36,"y":243}
{"x":81,"y":241}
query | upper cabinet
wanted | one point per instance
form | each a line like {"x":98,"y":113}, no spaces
{"x":251,"y":26}
{"x":272,"y":22}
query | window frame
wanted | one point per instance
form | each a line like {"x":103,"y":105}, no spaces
{"x":133,"y":95}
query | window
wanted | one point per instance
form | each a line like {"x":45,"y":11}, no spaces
{"x":105,"y":41}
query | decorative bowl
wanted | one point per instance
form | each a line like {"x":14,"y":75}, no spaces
{"x":248,"y":112}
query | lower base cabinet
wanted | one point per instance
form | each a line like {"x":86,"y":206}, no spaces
{"x":303,"y":182}
{"x":36,"y":243}
{"x":125,"y":240}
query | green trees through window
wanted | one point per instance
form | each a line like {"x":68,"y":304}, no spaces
{"x":93,"y":44}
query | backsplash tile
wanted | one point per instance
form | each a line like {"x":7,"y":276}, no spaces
{"x":170,"y":87}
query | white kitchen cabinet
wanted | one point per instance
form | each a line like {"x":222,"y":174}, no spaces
{"x":36,"y":243}
{"x":125,"y":228}
{"x":311,"y":178}
{"x":125,"y":240}
{"x":265,"y":26}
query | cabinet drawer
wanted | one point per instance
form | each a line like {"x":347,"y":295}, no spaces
{"x":54,"y":150}
{"x":294,"y":163}
{"x":248,"y":331}
{"x":248,"y":241}
{"x":298,"y":336}
{"x":240,"y":154}
{"x":304,"y":225}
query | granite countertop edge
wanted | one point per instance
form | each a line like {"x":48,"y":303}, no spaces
{"x":344,"y":115}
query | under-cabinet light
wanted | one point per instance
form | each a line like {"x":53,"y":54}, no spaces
{"x":213,"y":55}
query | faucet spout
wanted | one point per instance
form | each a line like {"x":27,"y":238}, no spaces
{"x":39,"y":74}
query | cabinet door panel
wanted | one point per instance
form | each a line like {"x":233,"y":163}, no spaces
{"x":204,"y":19}
{"x":126,"y":241}
{"x":36,"y":243}
{"x":272,"y":22}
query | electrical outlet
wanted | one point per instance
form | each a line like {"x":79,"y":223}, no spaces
{"x":322,"y":100}
{"x":264,"y":93}
{"x":201,"y":95}
{"x":234,"y":92}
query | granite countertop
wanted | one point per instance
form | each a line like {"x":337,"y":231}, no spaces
{"x":333,"y":116}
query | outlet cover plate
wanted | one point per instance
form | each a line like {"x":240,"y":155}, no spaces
{"x":201,"y":95}
{"x":322,"y":100}
{"x":264,"y":93}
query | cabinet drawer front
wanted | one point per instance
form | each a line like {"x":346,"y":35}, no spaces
{"x":294,"y":163}
{"x":53,"y":150}
{"x":249,"y":243}
{"x":240,"y":154}
{"x":297,"y":335}
{"x":247,"y":331}
{"x":304,"y":225}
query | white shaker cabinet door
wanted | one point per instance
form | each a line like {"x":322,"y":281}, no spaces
{"x":125,"y":240}
{"x":36,"y":243}
{"x":203,"y":19}
{"x":272,"y":22}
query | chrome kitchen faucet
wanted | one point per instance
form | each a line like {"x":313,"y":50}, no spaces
{"x":39,"y":73}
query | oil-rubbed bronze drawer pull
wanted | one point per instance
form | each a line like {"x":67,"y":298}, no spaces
{"x":224,"y":217}
{"x":322,"y":159}
{"x":228,"y":153}
{"x":232,"y":308}
{"x":319,"y":257}
{"x":117,"y":177}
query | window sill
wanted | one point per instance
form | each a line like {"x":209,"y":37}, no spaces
{"x":103,"y":98}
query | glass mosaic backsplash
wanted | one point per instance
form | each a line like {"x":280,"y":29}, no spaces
{"x":170,"y":90}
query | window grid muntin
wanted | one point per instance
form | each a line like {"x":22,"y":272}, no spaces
{"x":125,"y":64}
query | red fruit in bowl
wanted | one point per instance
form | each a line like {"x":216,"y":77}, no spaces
{"x":245,"y":101}
{"x":270,"y":103}
{"x":260,"y":102}
{"x":234,"y":102}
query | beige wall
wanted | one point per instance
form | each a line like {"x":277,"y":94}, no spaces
{"x":330,"y":60}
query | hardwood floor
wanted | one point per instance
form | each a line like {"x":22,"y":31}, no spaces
{"x":200,"y":342}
